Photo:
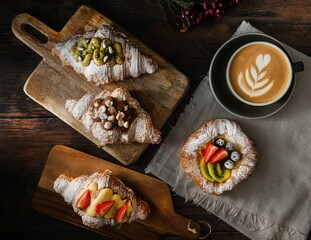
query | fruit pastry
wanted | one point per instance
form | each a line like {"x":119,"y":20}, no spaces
{"x":104,"y":56}
{"x":218,"y":156}
{"x":101,"y":199}
{"x":114,"y":117}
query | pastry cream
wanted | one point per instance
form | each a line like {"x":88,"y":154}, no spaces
{"x":104,"y":195}
{"x":118,"y":203}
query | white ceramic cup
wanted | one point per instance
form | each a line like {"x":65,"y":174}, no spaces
{"x":289,"y":81}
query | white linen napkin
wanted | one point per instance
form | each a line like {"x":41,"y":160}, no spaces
{"x":275,"y":202}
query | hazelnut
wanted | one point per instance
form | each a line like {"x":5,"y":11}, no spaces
{"x":112,"y":110}
{"x":102,"y":109}
{"x":126,"y":107}
{"x":121,"y":123}
{"x":126,"y":124}
{"x":103,"y":116}
{"x":108,"y":103}
{"x":111,"y":118}
{"x":120,"y":115}
{"x":97,"y":103}
{"x":107,"y":125}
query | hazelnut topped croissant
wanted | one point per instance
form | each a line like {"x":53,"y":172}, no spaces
{"x":114,"y":117}
{"x":101,"y":199}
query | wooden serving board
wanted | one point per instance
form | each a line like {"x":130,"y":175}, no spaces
{"x":162,"y":219}
{"x":51,"y":83}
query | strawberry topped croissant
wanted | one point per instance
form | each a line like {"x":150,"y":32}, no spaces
{"x":104,"y":56}
{"x":101,"y":199}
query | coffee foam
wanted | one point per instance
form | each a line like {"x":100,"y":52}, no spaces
{"x":260,"y":73}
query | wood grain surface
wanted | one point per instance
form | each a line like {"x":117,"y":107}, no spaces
{"x":52,"y":83}
{"x":28,"y":131}
{"x":161,"y":221}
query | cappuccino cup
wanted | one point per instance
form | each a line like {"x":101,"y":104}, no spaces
{"x":259,"y":73}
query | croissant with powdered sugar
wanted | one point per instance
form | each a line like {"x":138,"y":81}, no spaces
{"x":104,"y":56}
{"x":114,"y":117}
{"x":101,"y":199}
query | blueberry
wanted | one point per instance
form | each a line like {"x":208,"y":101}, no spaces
{"x":220,"y":142}
{"x":229,"y":164}
{"x":229,"y":146}
{"x":235,"y":156}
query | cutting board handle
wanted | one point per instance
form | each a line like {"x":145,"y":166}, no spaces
{"x":179,"y":225}
{"x":19,"y":25}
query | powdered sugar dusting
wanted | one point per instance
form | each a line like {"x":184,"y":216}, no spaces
{"x":207,"y":132}
{"x":134,"y":65}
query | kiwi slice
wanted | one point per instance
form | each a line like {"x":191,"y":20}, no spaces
{"x":204,"y":171}
{"x":218,"y":172}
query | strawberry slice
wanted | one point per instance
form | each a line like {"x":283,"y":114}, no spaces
{"x":210,"y":149}
{"x":103,"y":207}
{"x":219,"y":155}
{"x":84,"y":200}
{"x":120,"y":213}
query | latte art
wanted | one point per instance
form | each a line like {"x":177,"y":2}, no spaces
{"x":253,"y":82}
{"x":259,"y":73}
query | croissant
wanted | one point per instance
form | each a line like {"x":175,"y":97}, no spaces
{"x":104,"y":56}
{"x":114,"y":117}
{"x":101,"y":199}
{"x":218,"y":156}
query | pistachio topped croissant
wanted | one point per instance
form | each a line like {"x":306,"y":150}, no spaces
{"x":104,"y":56}
{"x":101,"y":199}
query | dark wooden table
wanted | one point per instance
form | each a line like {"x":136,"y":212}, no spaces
{"x":28,"y":131}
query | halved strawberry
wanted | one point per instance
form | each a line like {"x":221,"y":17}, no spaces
{"x":120,"y":213}
{"x":219,"y":155}
{"x":103,"y":207}
{"x":84,"y":200}
{"x":210,"y":149}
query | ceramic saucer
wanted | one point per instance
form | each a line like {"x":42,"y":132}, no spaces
{"x":220,"y":89}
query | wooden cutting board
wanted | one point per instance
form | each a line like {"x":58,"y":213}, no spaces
{"x":162,"y":219}
{"x":51,"y":83}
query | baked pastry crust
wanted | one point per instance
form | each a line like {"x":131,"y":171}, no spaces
{"x":134,"y":65}
{"x":70,"y":187}
{"x":140,"y":130}
{"x":207,"y":132}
